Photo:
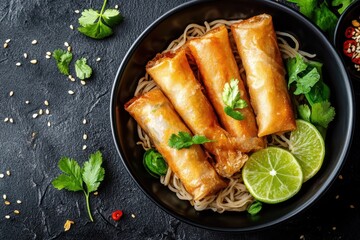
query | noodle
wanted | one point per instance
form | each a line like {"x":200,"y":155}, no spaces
{"x":235,"y":197}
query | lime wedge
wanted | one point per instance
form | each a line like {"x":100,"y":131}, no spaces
{"x":307,"y":145}
{"x":272,"y":175}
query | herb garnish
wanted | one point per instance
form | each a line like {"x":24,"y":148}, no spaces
{"x":255,"y":208}
{"x":154,"y":163}
{"x":63,"y":59}
{"x":75,"y":177}
{"x":185,"y":140}
{"x":232,"y":100}
{"x":98,"y":25}
{"x":82,"y":70}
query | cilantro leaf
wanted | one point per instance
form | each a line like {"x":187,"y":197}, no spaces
{"x":255,"y":208}
{"x":63,"y":59}
{"x":184,"y":140}
{"x":232,"y":100}
{"x":305,"y":83}
{"x":304,"y":112}
{"x":322,"y":113}
{"x":71,"y":178}
{"x":294,"y":67}
{"x":98,"y":25}
{"x":93,"y":173}
{"x":82,"y":70}
{"x":325,"y":19}
{"x":343,"y":3}
{"x":306,"y":6}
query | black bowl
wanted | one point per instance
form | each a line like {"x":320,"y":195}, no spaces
{"x":157,"y":36}
{"x":352,"y":12}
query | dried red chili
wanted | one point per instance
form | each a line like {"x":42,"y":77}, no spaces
{"x":349,"y":32}
{"x":116,"y":215}
{"x":356,"y":60}
{"x":348,"y":44}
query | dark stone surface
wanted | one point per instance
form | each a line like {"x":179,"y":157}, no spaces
{"x":32,"y":159}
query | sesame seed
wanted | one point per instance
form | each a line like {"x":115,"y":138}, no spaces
{"x":11,"y":93}
{"x":333,"y":228}
{"x":11,"y":120}
{"x":34,"y":61}
{"x":7,"y":216}
{"x":16,"y":211}
{"x":133,"y":215}
{"x":96,"y":193}
{"x":7,"y":203}
{"x":47,"y":57}
{"x":27,"y":102}
{"x":34,"y":42}
{"x":4,"y":196}
{"x":83,"y":82}
{"x":25,"y":55}
{"x":18,"y":201}
{"x":84,"y":147}
{"x":337,"y":196}
{"x":84,"y":121}
{"x":66,"y":44}
{"x":49,"y":124}
{"x":6,"y":119}
{"x":40,"y":111}
{"x":2,"y":175}
{"x":352,"y":206}
{"x":77,"y":11}
{"x":85,"y":136}
{"x":8,"y":172}
{"x":47,"y":111}
{"x":46,"y":102}
{"x":18,"y":64}
{"x":7,"y":40}
{"x":71,"y":92}
{"x":71,"y":27}
{"x":116,"y":6}
{"x":35,"y":115}
{"x":5,"y":45}
{"x":341,"y":177}
{"x":69,"y":48}
{"x":302,"y":237}
{"x":98,"y":59}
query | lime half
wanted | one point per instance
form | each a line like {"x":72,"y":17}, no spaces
{"x":307,"y":145}
{"x":272,"y":175}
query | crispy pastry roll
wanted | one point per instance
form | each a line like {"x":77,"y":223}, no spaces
{"x":217,"y":65}
{"x":157,"y":117}
{"x":265,"y":74}
{"x":172,"y":72}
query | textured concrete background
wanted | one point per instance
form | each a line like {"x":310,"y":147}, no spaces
{"x":30,"y":149}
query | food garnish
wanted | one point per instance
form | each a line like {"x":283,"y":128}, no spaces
{"x":154,"y":163}
{"x":232,"y":100}
{"x":63,"y":59}
{"x":255,"y":208}
{"x":75,"y":177}
{"x":82,"y":70}
{"x":185,"y":140}
{"x":116,"y":215}
{"x":98,"y":25}
{"x":351,"y":46}
{"x":67,"y":225}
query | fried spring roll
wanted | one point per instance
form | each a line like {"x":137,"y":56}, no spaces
{"x":157,"y":117}
{"x":172,"y":72}
{"x":265,"y":74}
{"x":217,"y":65}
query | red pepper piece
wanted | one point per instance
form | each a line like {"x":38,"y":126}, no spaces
{"x":116,"y":215}
{"x":347,"y":47}
{"x":349,"y":32}
{"x":356,"y":60}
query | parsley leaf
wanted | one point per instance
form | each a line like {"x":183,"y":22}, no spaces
{"x":322,"y":113}
{"x":184,"y":140}
{"x":74,"y":177}
{"x":343,"y":3}
{"x":304,"y":112}
{"x":232,"y":100}
{"x":98,"y":25}
{"x":63,"y":59}
{"x":82,"y":70}
{"x":325,"y":18}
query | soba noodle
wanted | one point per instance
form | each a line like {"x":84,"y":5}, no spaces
{"x":235,"y":197}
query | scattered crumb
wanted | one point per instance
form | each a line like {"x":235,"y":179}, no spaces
{"x":67,"y":225}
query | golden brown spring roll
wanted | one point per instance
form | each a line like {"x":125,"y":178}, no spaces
{"x":157,"y":117}
{"x":217,"y":65}
{"x":265,"y":74}
{"x":172,"y":72}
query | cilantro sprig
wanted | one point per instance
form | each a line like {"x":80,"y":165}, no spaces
{"x":75,"y":178}
{"x":232,"y":100}
{"x":98,"y":25}
{"x":185,"y":140}
{"x":63,"y":59}
{"x":82,"y":70}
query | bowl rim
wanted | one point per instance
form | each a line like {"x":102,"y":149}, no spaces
{"x":311,"y":201}
{"x":337,"y":35}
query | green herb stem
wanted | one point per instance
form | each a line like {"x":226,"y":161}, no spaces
{"x":103,"y":8}
{"x":88,"y":205}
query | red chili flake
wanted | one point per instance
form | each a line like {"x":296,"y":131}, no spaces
{"x":356,"y":60}
{"x":116,"y":215}
{"x":349,"y":32}
{"x":348,"y":44}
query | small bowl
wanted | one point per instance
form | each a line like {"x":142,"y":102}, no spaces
{"x":351,"y":13}
{"x":171,"y":25}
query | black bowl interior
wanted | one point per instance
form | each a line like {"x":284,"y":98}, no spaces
{"x":156,"y":37}
{"x":351,"y":13}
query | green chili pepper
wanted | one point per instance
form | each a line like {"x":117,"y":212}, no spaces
{"x":154,"y":163}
